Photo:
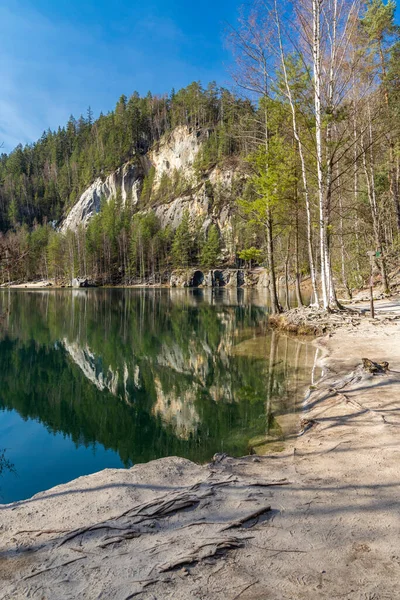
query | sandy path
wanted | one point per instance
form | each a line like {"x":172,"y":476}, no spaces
{"x":332,"y":530}
{"x":389,"y":305}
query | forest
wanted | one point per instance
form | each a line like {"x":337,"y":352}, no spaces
{"x":312,"y":125}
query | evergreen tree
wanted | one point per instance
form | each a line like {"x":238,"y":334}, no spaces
{"x":183,"y":242}
{"x":211,"y":249}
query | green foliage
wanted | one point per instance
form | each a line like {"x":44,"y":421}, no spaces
{"x":149,"y":246}
{"x":147,"y":186}
{"x":13,"y":212}
{"x":250,"y":254}
{"x":182,"y":246}
{"x":378,"y":19}
{"x":40,"y":181}
{"x":211,"y":249}
{"x":55,"y":255}
{"x":271,"y":182}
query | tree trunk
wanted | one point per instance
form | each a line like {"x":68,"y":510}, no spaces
{"x":393,"y":181}
{"x":316,"y":49}
{"x":369,"y":177}
{"x":287,"y":301}
{"x":299,"y":299}
{"x":273,"y":295}
{"x":302,"y":162}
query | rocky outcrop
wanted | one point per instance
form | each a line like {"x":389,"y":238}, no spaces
{"x":207,"y":199}
{"x":126,"y":180}
{"x":258,"y":278}
{"x":226,"y":278}
{"x":171,"y":214}
{"x":79,"y":282}
{"x":177,"y":151}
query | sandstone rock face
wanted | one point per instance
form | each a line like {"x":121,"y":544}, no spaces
{"x":224,"y":278}
{"x":126,"y":180}
{"x":79,"y":282}
{"x":171,"y":214}
{"x":256,"y":278}
{"x":181,"y":279}
{"x":205,"y":199}
{"x":176,"y":151}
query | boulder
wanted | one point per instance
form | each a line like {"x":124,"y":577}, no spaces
{"x":80,"y":282}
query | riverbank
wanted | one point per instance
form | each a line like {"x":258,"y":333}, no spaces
{"x":224,"y":277}
{"x":319,"y":520}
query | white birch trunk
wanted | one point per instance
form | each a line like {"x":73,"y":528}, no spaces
{"x":302,"y":160}
{"x":316,"y":50}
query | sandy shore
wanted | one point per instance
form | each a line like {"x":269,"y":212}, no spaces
{"x":319,"y":520}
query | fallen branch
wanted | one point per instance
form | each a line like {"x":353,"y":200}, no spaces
{"x":278,"y":550}
{"x":129,"y":535}
{"x":269,"y":483}
{"x":40,"y":532}
{"x":360,"y":407}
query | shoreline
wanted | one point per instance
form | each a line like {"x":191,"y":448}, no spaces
{"x":181,"y":281}
{"x":318,"y":520}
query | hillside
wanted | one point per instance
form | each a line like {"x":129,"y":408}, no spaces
{"x":167,"y":182}
{"x":45,"y":179}
{"x":303,"y":180}
{"x":105,"y":198}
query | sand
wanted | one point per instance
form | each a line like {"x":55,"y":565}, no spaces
{"x":318,"y":520}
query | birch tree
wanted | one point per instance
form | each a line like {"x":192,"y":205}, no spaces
{"x":255,"y":73}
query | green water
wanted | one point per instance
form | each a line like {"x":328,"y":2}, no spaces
{"x":101,"y":378}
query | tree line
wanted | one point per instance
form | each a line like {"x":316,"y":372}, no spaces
{"x":42,"y":180}
{"x":313,"y":124}
{"x":326,"y":150}
{"x":118,"y":247}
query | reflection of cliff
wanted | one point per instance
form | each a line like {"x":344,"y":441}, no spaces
{"x":177,"y":409}
{"x":92,"y":368}
{"x":183,"y":365}
{"x":146,"y":373}
{"x":191,"y":373}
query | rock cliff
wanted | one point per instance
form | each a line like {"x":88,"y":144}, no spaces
{"x":126,"y":180}
{"x":176,"y":151}
{"x":208,"y":198}
{"x":226,"y":278}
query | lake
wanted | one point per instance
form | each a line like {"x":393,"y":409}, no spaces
{"x":102,"y":378}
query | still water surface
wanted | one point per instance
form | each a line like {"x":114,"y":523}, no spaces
{"x":91,"y":379}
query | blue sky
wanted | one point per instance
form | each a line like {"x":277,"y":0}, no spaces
{"x":57,"y":57}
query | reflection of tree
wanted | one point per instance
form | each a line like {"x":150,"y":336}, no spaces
{"x":5,"y":464}
{"x":139,"y":372}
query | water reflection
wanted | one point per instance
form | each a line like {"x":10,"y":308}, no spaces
{"x":142,"y":374}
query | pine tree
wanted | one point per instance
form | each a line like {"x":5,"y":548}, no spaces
{"x":182,"y":244}
{"x":13,"y":212}
{"x":211,"y":249}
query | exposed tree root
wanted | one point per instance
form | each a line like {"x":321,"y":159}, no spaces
{"x":203,"y":551}
{"x":246,"y":518}
{"x":64,"y":564}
